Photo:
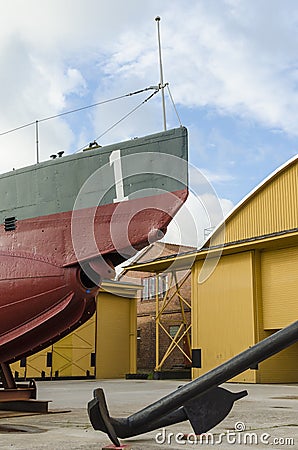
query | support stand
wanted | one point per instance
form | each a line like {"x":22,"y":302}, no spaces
{"x":21,"y":397}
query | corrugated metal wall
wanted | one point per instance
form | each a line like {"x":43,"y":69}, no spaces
{"x":242,"y":303}
{"x":223,"y":313}
{"x":271,"y":209}
{"x":249,"y":296}
{"x":281,"y":368}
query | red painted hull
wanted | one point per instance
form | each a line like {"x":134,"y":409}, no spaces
{"x":44,"y":294}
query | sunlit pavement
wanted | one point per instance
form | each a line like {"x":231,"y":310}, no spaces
{"x":266,"y":418}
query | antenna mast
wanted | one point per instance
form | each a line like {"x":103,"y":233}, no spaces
{"x":161,"y":84}
{"x":37,"y":141}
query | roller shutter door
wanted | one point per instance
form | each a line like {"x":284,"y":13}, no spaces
{"x":279,"y":271}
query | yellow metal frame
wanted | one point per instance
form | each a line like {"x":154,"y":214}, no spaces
{"x":184,"y":327}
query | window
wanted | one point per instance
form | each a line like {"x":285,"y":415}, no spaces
{"x":145,"y":293}
{"x":152,"y":284}
{"x":163,"y":284}
{"x":149,"y":287}
{"x":173,"y":330}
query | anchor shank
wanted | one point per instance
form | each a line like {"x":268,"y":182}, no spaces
{"x":236,"y":365}
{"x":124,"y":429}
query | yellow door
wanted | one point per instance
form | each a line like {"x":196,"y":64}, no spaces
{"x":73,"y":355}
{"x":114,"y":331}
{"x":39,"y":364}
{"x":279,"y":275}
{"x":279,"y":287}
{"x":19,"y":369}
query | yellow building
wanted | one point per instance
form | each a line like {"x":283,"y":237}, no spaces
{"x":245,"y":280}
{"x":253,"y":290}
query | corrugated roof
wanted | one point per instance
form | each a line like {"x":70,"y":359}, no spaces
{"x":251,"y":195}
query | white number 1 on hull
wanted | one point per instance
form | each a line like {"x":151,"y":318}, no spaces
{"x":115,"y":161}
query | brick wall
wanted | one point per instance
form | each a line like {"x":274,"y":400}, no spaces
{"x":170,"y":318}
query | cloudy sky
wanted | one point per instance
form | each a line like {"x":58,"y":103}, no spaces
{"x":232,"y":68}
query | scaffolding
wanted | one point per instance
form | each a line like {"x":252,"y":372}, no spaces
{"x":182,"y":338}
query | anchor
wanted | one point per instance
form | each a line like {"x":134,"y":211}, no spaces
{"x":200,"y":401}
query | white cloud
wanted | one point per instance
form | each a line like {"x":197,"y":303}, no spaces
{"x":214,"y":177}
{"x":201,"y":213}
{"x":225,"y":54}
{"x":48,"y":51}
{"x":196,"y":219}
{"x":226,"y":205}
{"x":238,"y":57}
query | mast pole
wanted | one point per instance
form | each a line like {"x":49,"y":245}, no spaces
{"x":37,"y":141}
{"x":157,"y":19}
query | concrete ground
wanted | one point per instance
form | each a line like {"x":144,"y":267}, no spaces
{"x":266,"y":418}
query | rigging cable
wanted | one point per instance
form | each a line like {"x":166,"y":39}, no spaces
{"x":17,"y":128}
{"x":126,"y":115}
{"x":173,"y":103}
{"x":79,"y":109}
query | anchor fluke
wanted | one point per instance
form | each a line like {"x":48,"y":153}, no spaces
{"x":99,"y":416}
{"x":210,"y":408}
